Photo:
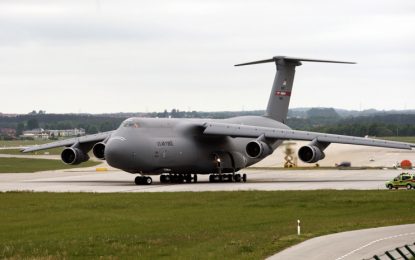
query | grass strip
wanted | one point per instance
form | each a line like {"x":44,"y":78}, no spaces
{"x":13,"y":143}
{"x":53,"y":151}
{"x":21,"y":165}
{"x":205,"y":225}
{"x":407,"y":139}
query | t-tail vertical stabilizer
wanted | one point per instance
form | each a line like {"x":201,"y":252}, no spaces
{"x":279,"y":98}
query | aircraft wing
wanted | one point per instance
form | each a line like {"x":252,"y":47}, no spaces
{"x":69,"y":142}
{"x":236,"y":130}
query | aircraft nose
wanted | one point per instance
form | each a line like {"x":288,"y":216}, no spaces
{"x":115,"y":152}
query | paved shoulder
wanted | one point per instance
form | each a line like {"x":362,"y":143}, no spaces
{"x":357,"y":244}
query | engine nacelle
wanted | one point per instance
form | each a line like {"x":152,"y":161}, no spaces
{"x":310,"y":154}
{"x":73,"y":156}
{"x":99,"y":150}
{"x":258,"y":149}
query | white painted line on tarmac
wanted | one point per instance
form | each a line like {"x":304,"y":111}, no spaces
{"x":373,"y":242}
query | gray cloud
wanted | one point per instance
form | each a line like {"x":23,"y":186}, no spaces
{"x":105,"y":56}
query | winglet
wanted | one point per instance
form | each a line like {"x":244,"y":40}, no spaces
{"x":277,"y":58}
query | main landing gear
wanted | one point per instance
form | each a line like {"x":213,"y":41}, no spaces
{"x":178,"y":178}
{"x":167,"y":178}
{"x":188,"y":178}
{"x":227,"y":177}
{"x":143,"y":180}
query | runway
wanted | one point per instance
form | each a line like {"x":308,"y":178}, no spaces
{"x":90,"y":180}
{"x":359,"y":244}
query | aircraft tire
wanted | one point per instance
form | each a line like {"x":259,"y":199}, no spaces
{"x":194,"y":178}
{"x":244,"y":177}
{"x":174,"y":178}
{"x":226,"y":178}
{"x":139,"y":180}
{"x":237,"y":177}
{"x":162,"y":178}
{"x":231,"y":178}
{"x":148,"y":180}
{"x":215,"y":178}
{"x":188,"y":178}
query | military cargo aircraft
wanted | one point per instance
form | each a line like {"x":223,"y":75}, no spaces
{"x":180,"y":149}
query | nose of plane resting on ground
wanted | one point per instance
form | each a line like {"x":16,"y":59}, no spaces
{"x":115,"y":152}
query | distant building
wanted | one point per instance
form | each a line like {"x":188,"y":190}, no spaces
{"x":8,"y":115}
{"x":41,"y":133}
{"x":67,"y":132}
{"x":10,"y":132}
{"x":38,"y":133}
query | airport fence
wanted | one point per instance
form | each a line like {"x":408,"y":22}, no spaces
{"x":404,"y":252}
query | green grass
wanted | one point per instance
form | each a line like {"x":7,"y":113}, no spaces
{"x":53,"y":151}
{"x":408,"y":139}
{"x":4,"y":143}
{"x":18,"y":165}
{"x":205,"y":225}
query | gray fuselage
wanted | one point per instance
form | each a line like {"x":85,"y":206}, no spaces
{"x":159,"y":145}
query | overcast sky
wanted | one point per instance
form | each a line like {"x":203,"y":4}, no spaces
{"x":106,"y":56}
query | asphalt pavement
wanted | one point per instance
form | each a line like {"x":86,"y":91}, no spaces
{"x":359,"y":244}
{"x":91,"y":180}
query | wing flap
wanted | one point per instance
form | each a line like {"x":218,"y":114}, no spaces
{"x":235,"y":130}
{"x":68,"y":142}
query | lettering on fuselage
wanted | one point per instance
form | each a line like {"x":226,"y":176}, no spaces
{"x":165,"y":143}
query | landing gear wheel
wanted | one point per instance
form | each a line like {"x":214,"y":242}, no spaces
{"x":162,"y":178}
{"x":194,"y":178}
{"x":148,"y":180}
{"x":167,"y":178}
{"x":188,"y":178}
{"x":408,"y":186}
{"x":244,"y":177}
{"x":216,"y":178}
{"x":174,"y":178}
{"x":138,"y":180}
{"x":237,"y":178}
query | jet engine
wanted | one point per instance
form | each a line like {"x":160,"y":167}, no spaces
{"x":258,"y":149}
{"x":310,"y":154}
{"x":73,"y":156}
{"x":99,"y":150}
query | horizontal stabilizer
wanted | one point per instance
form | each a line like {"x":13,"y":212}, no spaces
{"x":277,"y":58}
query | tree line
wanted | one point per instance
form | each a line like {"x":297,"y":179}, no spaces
{"x":376,"y":125}
{"x":370,"y":129}
{"x":319,"y":121}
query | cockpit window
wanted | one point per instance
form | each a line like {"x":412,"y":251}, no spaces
{"x":132,"y":124}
